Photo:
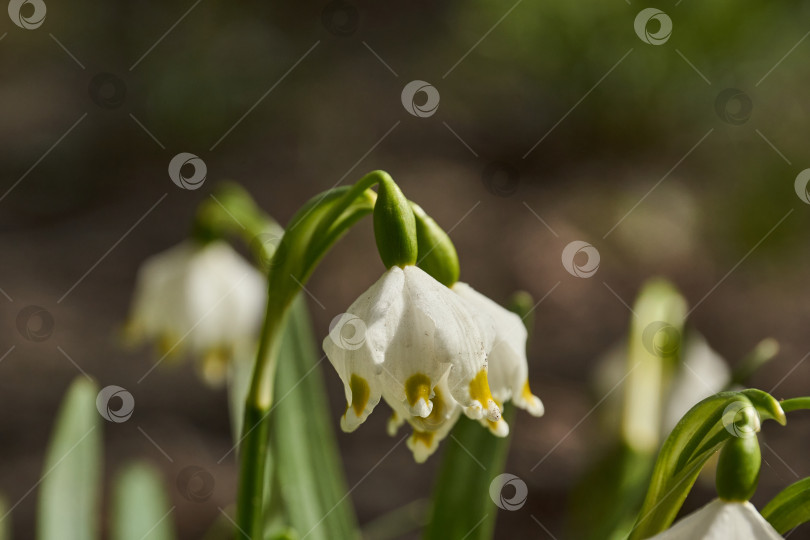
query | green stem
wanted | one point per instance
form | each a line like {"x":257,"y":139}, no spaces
{"x":253,"y":450}
{"x":795,"y":404}
{"x":314,"y":229}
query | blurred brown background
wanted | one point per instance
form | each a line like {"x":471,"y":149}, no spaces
{"x":617,"y":117}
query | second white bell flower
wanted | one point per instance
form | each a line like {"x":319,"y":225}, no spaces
{"x":721,"y":520}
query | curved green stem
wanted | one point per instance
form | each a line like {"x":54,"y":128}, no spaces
{"x":312,"y":231}
{"x":795,"y":404}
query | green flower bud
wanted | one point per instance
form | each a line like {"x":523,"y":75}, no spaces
{"x":738,"y":468}
{"x":394,"y":225}
{"x":437,"y":254}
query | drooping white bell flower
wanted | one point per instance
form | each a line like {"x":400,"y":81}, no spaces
{"x":201,"y":298}
{"x":411,"y":341}
{"x":508,"y":366}
{"x":721,"y":520}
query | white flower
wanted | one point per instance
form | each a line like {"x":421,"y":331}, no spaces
{"x":721,"y":520}
{"x":201,"y":298}
{"x":701,"y":373}
{"x":412,"y":342}
{"x":505,"y":337}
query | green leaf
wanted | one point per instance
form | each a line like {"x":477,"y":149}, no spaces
{"x":623,"y":473}
{"x":69,"y":493}
{"x":473,"y":457}
{"x":309,"y":472}
{"x":140,"y":507}
{"x":698,"y":435}
{"x":790,"y":508}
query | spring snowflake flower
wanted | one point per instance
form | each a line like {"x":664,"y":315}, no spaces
{"x":413,"y":342}
{"x":505,"y":337}
{"x":721,"y":520}
{"x":200,"y":298}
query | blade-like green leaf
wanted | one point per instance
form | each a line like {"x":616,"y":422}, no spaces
{"x":790,"y":508}
{"x":70,"y":489}
{"x":141,"y":509}
{"x":473,"y":458}
{"x":310,"y":476}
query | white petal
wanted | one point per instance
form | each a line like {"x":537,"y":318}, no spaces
{"x":408,"y":332}
{"x":198,"y":297}
{"x":508,"y":366}
{"x":703,"y":373}
{"x":721,"y":520}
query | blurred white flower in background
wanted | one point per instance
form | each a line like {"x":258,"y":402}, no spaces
{"x":701,"y":372}
{"x":721,"y":520}
{"x":198,"y":298}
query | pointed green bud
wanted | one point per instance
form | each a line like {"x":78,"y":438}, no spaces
{"x":437,"y":254}
{"x":394,"y":225}
{"x":738,"y":468}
